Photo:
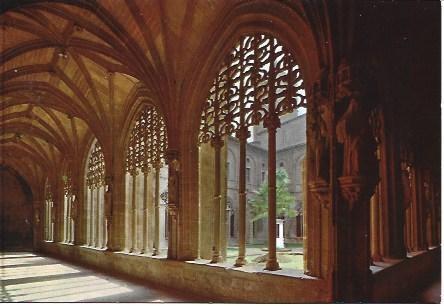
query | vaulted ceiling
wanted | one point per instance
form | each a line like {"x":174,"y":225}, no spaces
{"x":66,"y":69}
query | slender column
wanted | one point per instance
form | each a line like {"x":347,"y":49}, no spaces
{"x":434,"y":240}
{"x":91,"y":215}
{"x":156,"y":241}
{"x":217,"y":144}
{"x":103,"y":217}
{"x":242,"y":136}
{"x":414,"y":212}
{"x":145,"y":211}
{"x":374,"y":226}
{"x":133,"y":212}
{"x":71,"y":220}
{"x":272,"y":122}
{"x":66,"y":227}
{"x":65,"y":219}
{"x":97,"y":217}
{"x":88,"y":215}
{"x":46,"y":226}
{"x":50,"y":236}
{"x":70,"y":235}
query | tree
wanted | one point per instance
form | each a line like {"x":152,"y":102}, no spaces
{"x":284,"y":199}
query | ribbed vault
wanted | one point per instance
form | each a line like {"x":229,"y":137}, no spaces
{"x":70,"y":68}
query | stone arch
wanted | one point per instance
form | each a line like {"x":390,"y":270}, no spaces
{"x":299,"y":40}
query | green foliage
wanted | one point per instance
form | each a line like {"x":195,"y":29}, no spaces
{"x":284,"y":199}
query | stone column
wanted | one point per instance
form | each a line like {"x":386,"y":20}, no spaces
{"x":65,"y":218}
{"x":272,"y":122}
{"x":374,"y":227}
{"x":133,"y":212}
{"x":217,"y":144}
{"x":354,"y":247}
{"x":172,"y":157}
{"x":357,"y":181}
{"x":434,"y":238}
{"x":419,"y":217}
{"x":97,"y":218}
{"x":145,"y":211}
{"x":108,"y":213}
{"x":75,"y":218}
{"x":242,"y":135}
{"x":90,"y":216}
{"x":156,"y":239}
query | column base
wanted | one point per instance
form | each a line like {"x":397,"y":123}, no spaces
{"x":216,"y":259}
{"x":155,"y":252}
{"x":272,"y":265}
{"x":240,"y":261}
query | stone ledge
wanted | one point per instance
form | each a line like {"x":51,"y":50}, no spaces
{"x":401,"y":277}
{"x":218,"y":283}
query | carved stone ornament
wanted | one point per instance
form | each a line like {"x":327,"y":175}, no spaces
{"x":148,"y":142}
{"x":355,"y":189}
{"x":258,"y":81}
{"x":321,"y":190}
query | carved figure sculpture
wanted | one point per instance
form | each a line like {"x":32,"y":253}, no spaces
{"x":353,"y":132}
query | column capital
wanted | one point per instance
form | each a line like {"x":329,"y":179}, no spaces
{"x":356,"y":189}
{"x":243,"y":133}
{"x":217,"y":142}
{"x":272,"y":121}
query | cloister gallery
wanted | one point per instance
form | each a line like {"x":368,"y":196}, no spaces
{"x":246,"y":151}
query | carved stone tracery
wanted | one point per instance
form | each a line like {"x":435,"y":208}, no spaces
{"x":148,"y":141}
{"x":257,"y":77}
{"x":95,"y":176}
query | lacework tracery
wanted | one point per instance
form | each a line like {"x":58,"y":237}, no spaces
{"x":259,"y":76}
{"x":148,"y":142}
{"x":95,"y":176}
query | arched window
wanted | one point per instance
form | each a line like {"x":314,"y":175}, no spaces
{"x":258,"y":81}
{"x":146,"y":176}
{"x":49,"y":218}
{"x":95,"y":198}
{"x":68,"y":200}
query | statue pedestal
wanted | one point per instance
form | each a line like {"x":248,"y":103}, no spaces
{"x":280,"y":234}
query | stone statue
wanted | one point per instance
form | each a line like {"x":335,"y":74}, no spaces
{"x":353,"y":131}
{"x":318,"y":124}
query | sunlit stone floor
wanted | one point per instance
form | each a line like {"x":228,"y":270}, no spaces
{"x":27,"y":277}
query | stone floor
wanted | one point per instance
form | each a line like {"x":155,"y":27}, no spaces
{"x":28,"y":277}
